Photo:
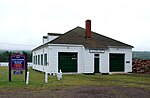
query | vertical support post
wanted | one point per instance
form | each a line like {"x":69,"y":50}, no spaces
{"x":27,"y":79}
{"x":46,"y":77}
{"x":9,"y":67}
{"x":26,"y":66}
{"x":59,"y":75}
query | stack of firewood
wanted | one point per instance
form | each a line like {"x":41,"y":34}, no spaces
{"x":141,"y":66}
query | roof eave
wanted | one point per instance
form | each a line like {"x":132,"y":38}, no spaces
{"x":41,"y":46}
{"x":129,"y":47}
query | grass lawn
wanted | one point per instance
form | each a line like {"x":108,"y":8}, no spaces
{"x":36,"y":80}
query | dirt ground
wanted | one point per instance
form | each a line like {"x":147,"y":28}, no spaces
{"x":80,"y":92}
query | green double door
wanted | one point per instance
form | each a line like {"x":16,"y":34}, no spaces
{"x":67,"y":61}
{"x":116,"y":62}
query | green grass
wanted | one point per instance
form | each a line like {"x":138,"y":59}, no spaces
{"x":36,"y":80}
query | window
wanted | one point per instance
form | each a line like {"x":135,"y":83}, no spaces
{"x":38,"y":59}
{"x":96,"y":55}
{"x":34,"y":60}
{"x":45,"y":59}
{"x":41,"y":59}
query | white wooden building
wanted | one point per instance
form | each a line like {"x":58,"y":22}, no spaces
{"x":82,"y":51}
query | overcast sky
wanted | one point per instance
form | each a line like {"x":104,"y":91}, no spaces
{"x":24,"y":22}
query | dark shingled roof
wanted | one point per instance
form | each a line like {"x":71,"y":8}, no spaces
{"x":77,"y":36}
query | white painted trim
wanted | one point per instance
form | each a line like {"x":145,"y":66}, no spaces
{"x":119,"y":47}
{"x":119,"y":73}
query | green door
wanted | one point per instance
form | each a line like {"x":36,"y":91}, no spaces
{"x":67,"y":62}
{"x":116,"y":62}
{"x":96,"y":63}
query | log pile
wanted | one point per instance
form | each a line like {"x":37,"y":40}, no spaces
{"x":141,"y":66}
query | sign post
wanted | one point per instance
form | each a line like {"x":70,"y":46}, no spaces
{"x":9,"y":68}
{"x":18,"y":63}
{"x":26,"y":68}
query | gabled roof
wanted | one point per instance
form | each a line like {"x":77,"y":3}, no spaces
{"x":77,"y":36}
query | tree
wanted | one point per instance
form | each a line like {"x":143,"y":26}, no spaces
{"x":4,"y":56}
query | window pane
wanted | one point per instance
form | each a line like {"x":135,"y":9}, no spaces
{"x":41,"y":59}
{"x":45,"y":59}
{"x":38,"y":59}
{"x":33,"y":59}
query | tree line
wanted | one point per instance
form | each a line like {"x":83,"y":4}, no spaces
{"x":4,"y":55}
{"x":144,"y":55}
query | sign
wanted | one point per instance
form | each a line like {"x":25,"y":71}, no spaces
{"x":18,"y":72}
{"x":127,"y":61}
{"x":17,"y":62}
{"x":96,"y":50}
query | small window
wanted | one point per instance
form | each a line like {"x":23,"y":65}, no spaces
{"x":45,"y":59}
{"x":41,"y":59}
{"x":96,"y":55}
{"x":38,"y":59}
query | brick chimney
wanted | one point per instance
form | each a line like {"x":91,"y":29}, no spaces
{"x":88,"y":33}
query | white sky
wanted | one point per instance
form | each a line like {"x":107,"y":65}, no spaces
{"x":24,"y":22}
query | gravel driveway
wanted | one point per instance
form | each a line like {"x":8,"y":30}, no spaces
{"x":80,"y":92}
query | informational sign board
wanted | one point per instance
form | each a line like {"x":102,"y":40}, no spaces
{"x":96,"y":50}
{"x":17,"y":62}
